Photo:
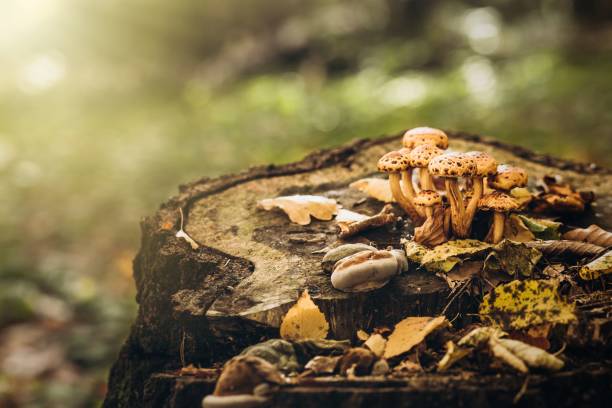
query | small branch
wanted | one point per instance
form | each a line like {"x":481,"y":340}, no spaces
{"x":384,"y":217}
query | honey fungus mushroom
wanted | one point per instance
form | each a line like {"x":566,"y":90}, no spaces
{"x":420,"y":157}
{"x":432,"y":232}
{"x":407,"y":186}
{"x":427,"y":199}
{"x":500,"y":203}
{"x":394,"y":163}
{"x":425,"y":135}
{"x":486,"y":166}
{"x":451,"y":167}
{"x":508,"y":177}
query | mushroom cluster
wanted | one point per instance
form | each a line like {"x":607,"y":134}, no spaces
{"x":472,"y":181}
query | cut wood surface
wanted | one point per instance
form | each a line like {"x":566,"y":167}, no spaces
{"x":204,"y":305}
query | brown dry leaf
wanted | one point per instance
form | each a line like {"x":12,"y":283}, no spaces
{"x":376,"y":188}
{"x":593,"y":235}
{"x":502,"y":353}
{"x":300,"y":208}
{"x":304,"y":321}
{"x":515,"y":230}
{"x":461,"y":273}
{"x":564,"y":247}
{"x":376,"y":344}
{"x":410,"y":332}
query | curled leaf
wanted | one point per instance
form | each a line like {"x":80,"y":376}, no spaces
{"x":593,"y":235}
{"x":505,"y":355}
{"x":521,"y":304}
{"x":480,"y":336}
{"x":300,"y":208}
{"x":304,"y":321}
{"x":453,"y":355}
{"x":565,"y":247}
{"x":599,"y":267}
{"x":534,"y":357}
{"x":541,"y":227}
{"x":378,"y":189}
{"x":513,"y":258}
{"x":410,"y":332}
{"x":516,"y":230}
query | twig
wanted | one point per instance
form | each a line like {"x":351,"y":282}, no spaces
{"x":384,"y":217}
{"x":182,"y":348}
{"x":459,"y":292}
{"x":522,"y":391}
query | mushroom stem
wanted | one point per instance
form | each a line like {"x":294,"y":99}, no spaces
{"x":409,"y":190}
{"x":396,"y":190}
{"x":477,"y":190}
{"x":455,"y":199}
{"x":498,"y":226}
{"x":425,"y":179}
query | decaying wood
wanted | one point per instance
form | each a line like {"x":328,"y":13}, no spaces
{"x":207,"y":304}
{"x":384,"y":217}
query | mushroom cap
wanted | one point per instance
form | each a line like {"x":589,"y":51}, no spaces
{"x":421,"y":155}
{"x":486,"y":165}
{"x":405,"y":151}
{"x":497,"y":201}
{"x":365,"y":271}
{"x":393,"y":162}
{"x":427,"y":198}
{"x":425,"y":135}
{"x":452,"y":165}
{"x":508,"y":177}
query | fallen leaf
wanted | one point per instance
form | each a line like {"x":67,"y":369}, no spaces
{"x":378,"y":189}
{"x":513,"y":258}
{"x":356,"y":361}
{"x":522,"y":196}
{"x":445,"y":257}
{"x":362,"y":335}
{"x":347,"y":216}
{"x":516,"y":230}
{"x":453,"y":355}
{"x":279,"y":352}
{"x":376,"y":344}
{"x":521,"y":304}
{"x":541,"y":227}
{"x":480,"y":336}
{"x":503,"y":354}
{"x":304,"y":321}
{"x":564,"y":247}
{"x":410,"y":332}
{"x":320,"y":365}
{"x":461,"y":273}
{"x":599,"y":267}
{"x":534,"y":357}
{"x":300,"y":208}
{"x":593,"y":235}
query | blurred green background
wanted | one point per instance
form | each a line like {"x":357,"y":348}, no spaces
{"x":107,"y":105}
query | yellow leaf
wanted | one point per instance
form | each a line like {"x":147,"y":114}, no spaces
{"x":444,"y":257}
{"x":410,"y":332}
{"x":300,"y":208}
{"x":600,"y":266}
{"x":376,"y":344}
{"x":378,"y":189}
{"x":304,"y":321}
{"x":521,"y":304}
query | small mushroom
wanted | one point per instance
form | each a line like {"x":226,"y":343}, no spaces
{"x":425,"y":135}
{"x":394,"y":163}
{"x":486,"y":166}
{"x":508,"y":177}
{"x":452,"y":166}
{"x":501,"y":204}
{"x":420,"y":157}
{"x":368,"y":270}
{"x":427,"y":199}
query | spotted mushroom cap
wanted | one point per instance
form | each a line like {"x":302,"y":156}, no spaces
{"x":486,"y":165}
{"x":497,"y":201}
{"x":425,"y":135}
{"x":427,"y":198}
{"x":405,"y":151}
{"x":393,"y":162}
{"x":452,"y":165}
{"x":421,"y":155}
{"x":508,"y":177}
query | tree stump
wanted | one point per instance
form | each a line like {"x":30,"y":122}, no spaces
{"x":204,"y":306}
